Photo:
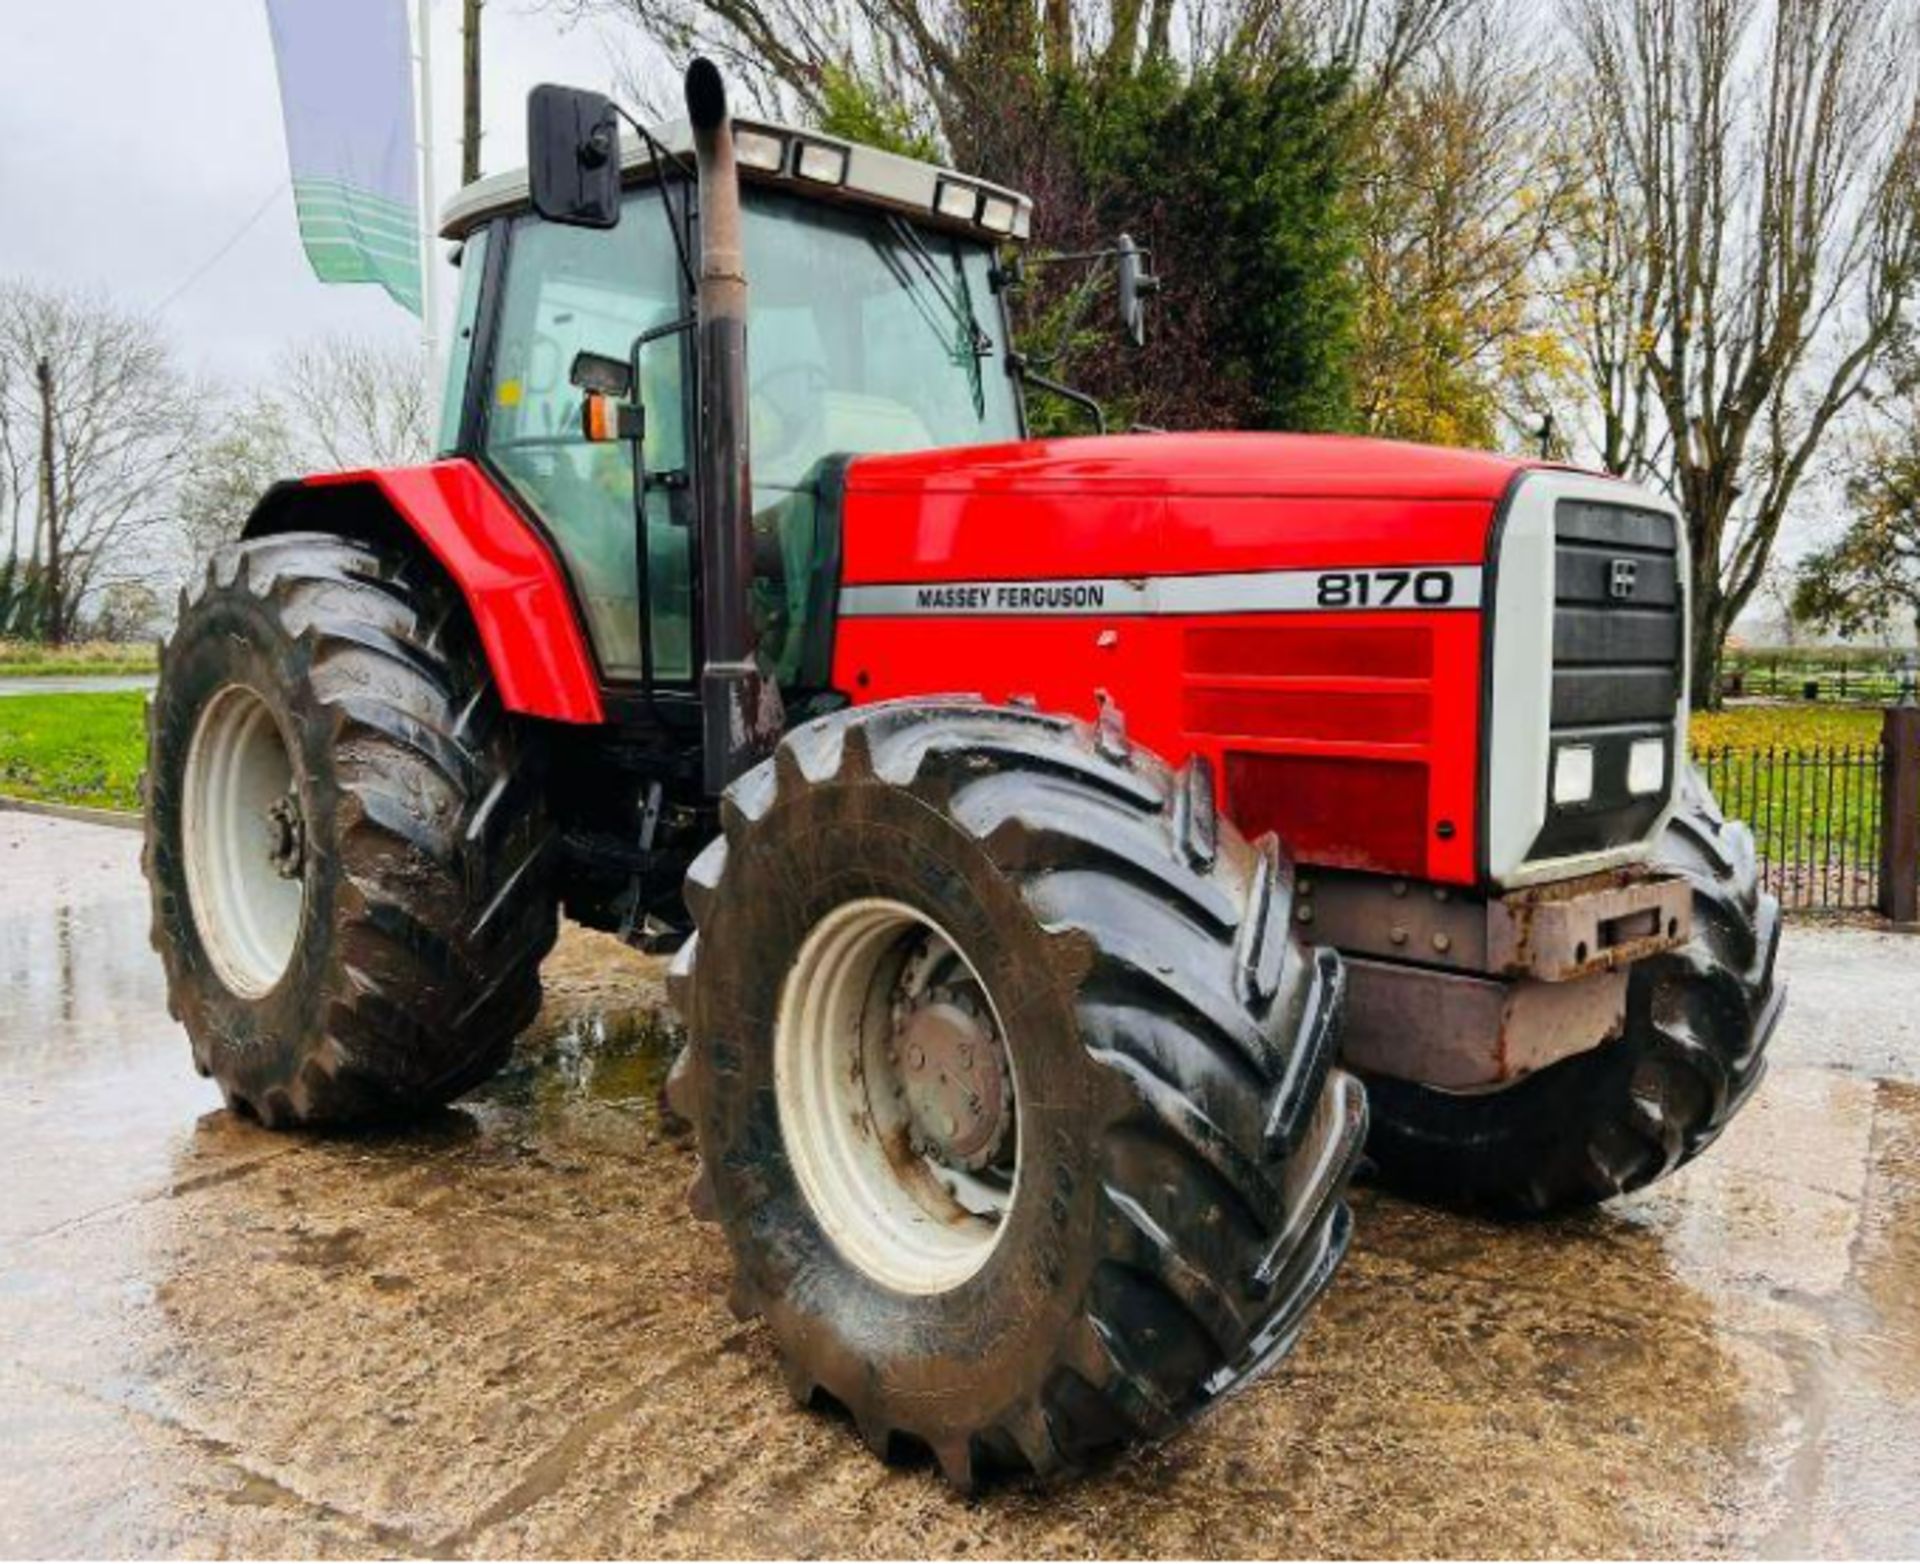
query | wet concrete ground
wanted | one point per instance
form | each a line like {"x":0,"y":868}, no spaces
{"x":502,"y":1334}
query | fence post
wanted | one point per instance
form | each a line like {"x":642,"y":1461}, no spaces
{"x":1900,"y":814}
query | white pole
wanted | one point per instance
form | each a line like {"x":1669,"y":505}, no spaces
{"x":430,"y":205}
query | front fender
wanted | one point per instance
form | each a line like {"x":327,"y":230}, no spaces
{"x":515,"y":590}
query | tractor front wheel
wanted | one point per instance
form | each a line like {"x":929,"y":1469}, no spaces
{"x":345,"y":840}
{"x":1635,"y":1109}
{"x":1014,"y":1090}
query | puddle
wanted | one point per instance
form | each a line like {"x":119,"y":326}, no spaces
{"x":620,"y":1059}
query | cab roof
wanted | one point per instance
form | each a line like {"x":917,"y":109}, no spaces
{"x":806,"y":161}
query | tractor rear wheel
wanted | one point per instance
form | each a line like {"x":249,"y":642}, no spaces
{"x":346,"y":845}
{"x":1014,"y":1089}
{"x":1603,"y":1123}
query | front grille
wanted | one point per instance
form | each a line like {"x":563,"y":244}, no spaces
{"x":1618,"y":658}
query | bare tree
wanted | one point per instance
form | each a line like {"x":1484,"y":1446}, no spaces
{"x":1748,"y":253}
{"x":250,"y":450}
{"x":98,"y":415}
{"x":13,"y":465}
{"x":965,"y":60}
{"x":350,"y":403}
{"x":331,"y":404}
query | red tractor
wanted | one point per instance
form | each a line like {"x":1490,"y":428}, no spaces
{"x":1068,"y":844}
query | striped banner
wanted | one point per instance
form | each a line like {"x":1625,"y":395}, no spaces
{"x":346,"y":92}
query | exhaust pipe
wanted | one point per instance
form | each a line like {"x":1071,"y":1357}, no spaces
{"x":741,"y":714}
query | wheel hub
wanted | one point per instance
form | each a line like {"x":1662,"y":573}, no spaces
{"x":244,"y":839}
{"x":953,"y":1079}
{"x":898,"y":1096}
{"x":287,"y":837}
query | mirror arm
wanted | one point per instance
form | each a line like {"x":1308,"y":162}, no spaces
{"x":1032,"y":377}
{"x":672,"y":328}
{"x":1070,"y":255}
{"x":656,"y":152}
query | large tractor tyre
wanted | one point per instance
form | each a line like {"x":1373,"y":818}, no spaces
{"x":346,"y":845}
{"x":1014,"y":1090}
{"x":1603,"y":1123}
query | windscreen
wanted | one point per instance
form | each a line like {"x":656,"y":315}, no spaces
{"x":867,"y":334}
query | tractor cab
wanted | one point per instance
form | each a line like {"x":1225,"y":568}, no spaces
{"x":876,"y":325}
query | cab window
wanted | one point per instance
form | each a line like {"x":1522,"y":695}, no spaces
{"x":473,"y":268}
{"x":573,"y":290}
{"x":865,"y":335}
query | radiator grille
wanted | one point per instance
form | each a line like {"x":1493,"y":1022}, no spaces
{"x":1618,"y":660}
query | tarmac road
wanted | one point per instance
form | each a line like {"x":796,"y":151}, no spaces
{"x":76,"y":684}
{"x":502,"y":1333}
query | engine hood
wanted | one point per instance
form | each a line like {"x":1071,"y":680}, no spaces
{"x":1172,"y":465}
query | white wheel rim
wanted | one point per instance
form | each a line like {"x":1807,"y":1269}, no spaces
{"x":236,"y":840}
{"x":909,"y":1221}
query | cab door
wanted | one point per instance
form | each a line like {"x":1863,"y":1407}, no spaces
{"x":565,"y":291}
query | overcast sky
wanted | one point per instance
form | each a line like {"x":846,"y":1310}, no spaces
{"x":137,"y":137}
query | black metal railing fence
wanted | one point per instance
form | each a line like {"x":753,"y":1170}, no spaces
{"x":1815,"y":812}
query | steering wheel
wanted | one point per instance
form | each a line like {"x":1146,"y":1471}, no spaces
{"x":798,"y":407}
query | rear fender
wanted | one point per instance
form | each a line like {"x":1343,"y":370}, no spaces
{"x":514,"y":588}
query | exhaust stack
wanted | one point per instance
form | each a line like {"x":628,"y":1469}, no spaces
{"x":741,"y":714}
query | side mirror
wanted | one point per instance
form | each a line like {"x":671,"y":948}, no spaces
{"x":573,"y":157}
{"x":1137,"y":285}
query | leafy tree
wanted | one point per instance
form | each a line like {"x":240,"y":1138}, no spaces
{"x":23,"y":600}
{"x":1869,"y":578}
{"x":1236,"y":180}
{"x":859,"y":110}
{"x":1456,"y":207}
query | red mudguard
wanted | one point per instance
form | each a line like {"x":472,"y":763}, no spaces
{"x":514,"y":587}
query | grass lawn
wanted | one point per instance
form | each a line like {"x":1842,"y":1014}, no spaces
{"x":1806,"y":778}
{"x":1784,"y":727}
{"x":30,"y":659}
{"x":89,"y":749}
{"x":74,"y":749}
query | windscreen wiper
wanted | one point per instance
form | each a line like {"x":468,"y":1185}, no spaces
{"x":959,"y":303}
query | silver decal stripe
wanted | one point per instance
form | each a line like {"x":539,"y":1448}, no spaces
{"x":1357,"y":589}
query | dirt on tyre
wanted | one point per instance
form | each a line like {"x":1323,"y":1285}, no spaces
{"x":1014,"y":1089}
{"x":1614,"y":1120}
{"x":346,"y":848}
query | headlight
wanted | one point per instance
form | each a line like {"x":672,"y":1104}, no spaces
{"x":824,"y":165}
{"x":957,"y":201}
{"x":1573,"y":774}
{"x":756,"y":149}
{"x":1646,"y":767}
{"x":996,"y":212}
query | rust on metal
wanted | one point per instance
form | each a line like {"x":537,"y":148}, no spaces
{"x":1461,"y":1032}
{"x":1603,"y":923}
{"x":1555,"y":933}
